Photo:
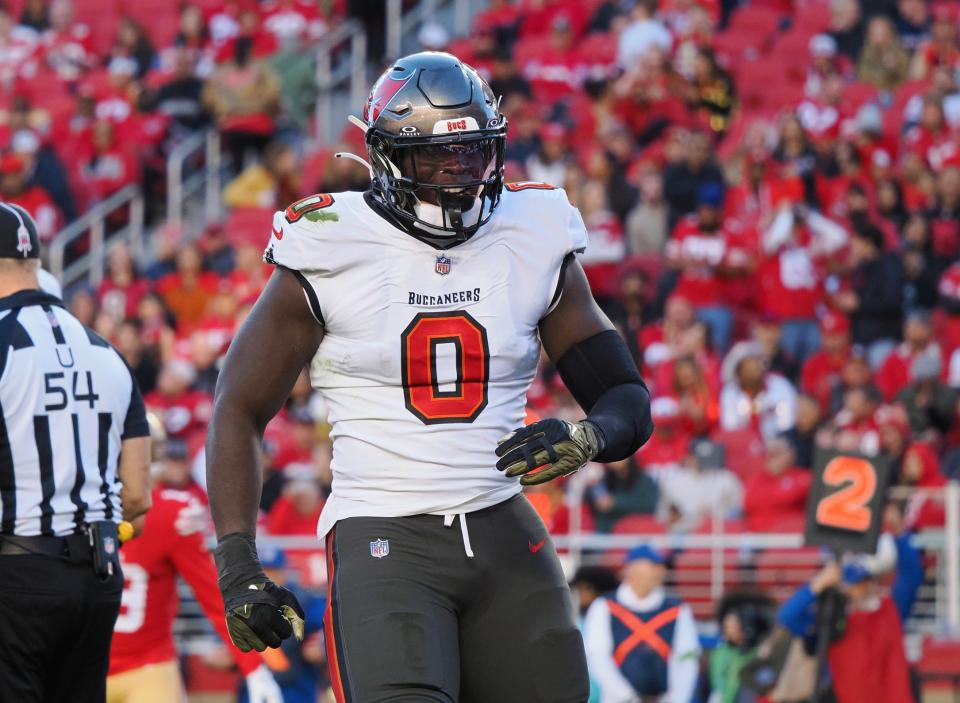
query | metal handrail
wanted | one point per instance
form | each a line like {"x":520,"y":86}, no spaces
{"x":330,"y":77}
{"x":188,"y":148}
{"x":94,"y":221}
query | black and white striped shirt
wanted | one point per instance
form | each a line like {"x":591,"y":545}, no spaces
{"x":67,"y":401}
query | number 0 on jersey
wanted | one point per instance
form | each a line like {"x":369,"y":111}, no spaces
{"x":421,"y":387}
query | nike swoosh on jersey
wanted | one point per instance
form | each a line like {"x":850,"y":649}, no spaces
{"x":278,"y":233}
{"x":536,"y":546}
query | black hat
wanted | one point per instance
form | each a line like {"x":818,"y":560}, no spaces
{"x":18,"y":233}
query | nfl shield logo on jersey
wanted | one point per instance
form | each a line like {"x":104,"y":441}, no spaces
{"x":379,"y":548}
{"x":443,"y":265}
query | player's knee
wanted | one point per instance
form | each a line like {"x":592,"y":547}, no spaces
{"x":560,"y":664}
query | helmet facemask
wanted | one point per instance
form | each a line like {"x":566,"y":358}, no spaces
{"x":445,"y":186}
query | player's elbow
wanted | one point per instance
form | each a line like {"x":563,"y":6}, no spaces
{"x":623,"y":415}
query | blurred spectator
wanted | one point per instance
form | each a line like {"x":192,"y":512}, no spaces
{"x":768,"y":332}
{"x":930,"y":404}
{"x":894,"y":375}
{"x":803,"y":436}
{"x":846,"y":27}
{"x":682,"y":181}
{"x":122,"y":287}
{"x":607,"y":246}
{"x":174,"y":472}
{"x":754,"y":397}
{"x":180,"y":97}
{"x":707,"y":253}
{"x":554,"y":72}
{"x":646,"y":225}
{"x":822,"y":369}
{"x":188,"y":290}
{"x":297,"y":510}
{"x":670,"y":443}
{"x":242,"y":94}
{"x":913,"y":23}
{"x":853,"y":427}
{"x":142,"y":362}
{"x":273,"y":182}
{"x":945,"y":217}
{"x":643,"y":32}
{"x":777,"y":495}
{"x":699,"y":489}
{"x":894,"y":428}
{"x":921,"y":470}
{"x":883,"y":62}
{"x":35,"y":15}
{"x":712,"y":91}
{"x":42,"y":163}
{"x":662,"y":660}
{"x":624,"y":489}
{"x":134,"y":43}
{"x":942,"y":49}
{"x":67,"y":46}
{"x":745,"y":619}
{"x":873,"y":633}
{"x":875,"y":299}
{"x":550,"y":163}
{"x":699,"y":411}
{"x":15,"y":188}
{"x":110,"y":167}
{"x":184,"y":412}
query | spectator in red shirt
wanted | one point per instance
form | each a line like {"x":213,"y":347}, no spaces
{"x":15,"y":188}
{"x":894,"y":374}
{"x":705,"y":252}
{"x":67,"y":45}
{"x":778,"y":493}
{"x":921,"y":470}
{"x":822,"y":370}
{"x":797,"y":247}
{"x":943,"y":47}
{"x":110,"y":167}
{"x":297,"y":510}
{"x":670,"y":443}
{"x":122,"y":288}
{"x":183,"y":411}
{"x":698,"y":407}
{"x":188,"y":290}
{"x":555,"y":73}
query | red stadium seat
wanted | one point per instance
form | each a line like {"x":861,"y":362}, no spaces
{"x":246,"y":224}
{"x":745,"y":452}
{"x":812,"y":16}
{"x":761,"y":22}
{"x":940,"y":663}
{"x":639,"y":525}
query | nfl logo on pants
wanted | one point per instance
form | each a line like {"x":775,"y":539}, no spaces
{"x":379,"y":548}
{"x":443,"y":265}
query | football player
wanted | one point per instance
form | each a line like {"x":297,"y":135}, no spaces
{"x":421,"y":306}
{"x":143,"y":658}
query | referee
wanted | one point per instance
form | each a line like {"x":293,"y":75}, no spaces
{"x":74,"y":462}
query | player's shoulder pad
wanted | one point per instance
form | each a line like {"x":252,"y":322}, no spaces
{"x":547,"y":212}
{"x":299,"y":232}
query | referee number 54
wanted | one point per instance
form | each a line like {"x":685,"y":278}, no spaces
{"x":55,"y":389}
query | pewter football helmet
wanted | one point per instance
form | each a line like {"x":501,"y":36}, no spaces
{"x":435,"y":138}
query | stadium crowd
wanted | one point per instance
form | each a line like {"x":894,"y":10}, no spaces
{"x":772,"y":191}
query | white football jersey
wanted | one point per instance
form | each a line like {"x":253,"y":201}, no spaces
{"x":427,"y":355}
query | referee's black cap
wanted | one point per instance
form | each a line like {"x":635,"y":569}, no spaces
{"x":18,"y":233}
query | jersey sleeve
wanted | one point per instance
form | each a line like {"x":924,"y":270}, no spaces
{"x":574,"y":238}
{"x":295,"y":247}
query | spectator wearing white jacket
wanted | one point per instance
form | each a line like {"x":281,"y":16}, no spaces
{"x":752,"y":396}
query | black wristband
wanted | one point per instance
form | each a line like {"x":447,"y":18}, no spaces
{"x":237,"y":562}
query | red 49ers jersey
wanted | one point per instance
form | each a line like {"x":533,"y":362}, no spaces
{"x":143,"y":633}
{"x":427,"y":354}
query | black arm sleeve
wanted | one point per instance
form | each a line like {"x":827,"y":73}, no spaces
{"x":603,"y":378}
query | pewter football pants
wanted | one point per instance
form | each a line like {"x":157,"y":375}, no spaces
{"x":412,"y":617}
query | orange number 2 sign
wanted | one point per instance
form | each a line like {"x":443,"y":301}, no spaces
{"x":848,"y":508}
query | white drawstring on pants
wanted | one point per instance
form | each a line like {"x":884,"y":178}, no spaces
{"x":448,"y":521}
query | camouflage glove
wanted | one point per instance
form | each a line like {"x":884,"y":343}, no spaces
{"x":562,"y":447}
{"x":260,"y":613}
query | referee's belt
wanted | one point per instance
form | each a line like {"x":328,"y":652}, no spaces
{"x":72,"y":547}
